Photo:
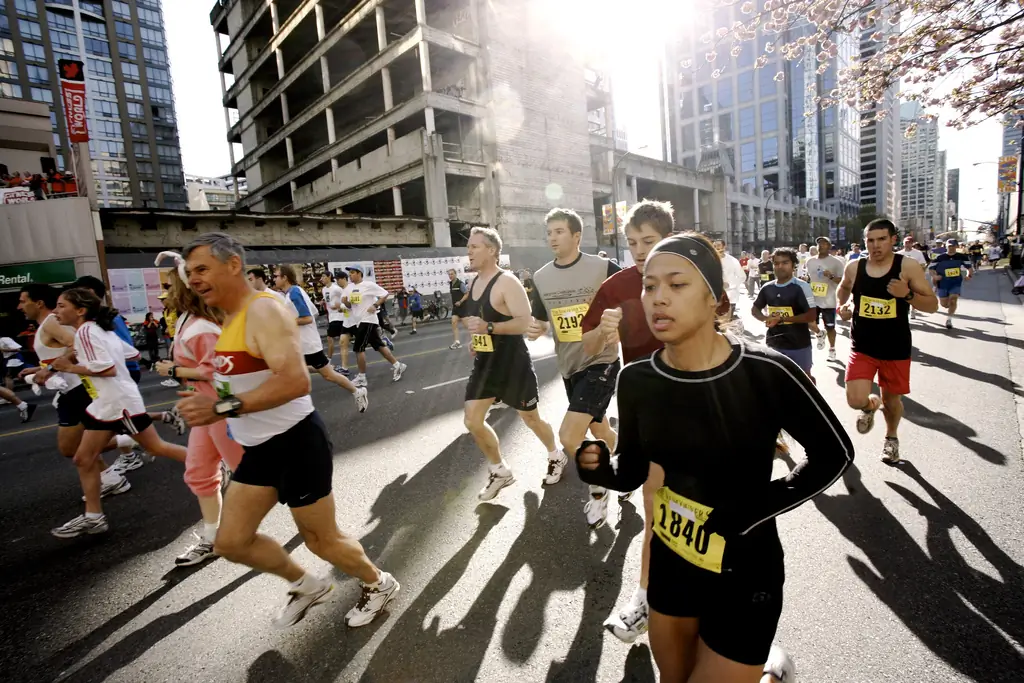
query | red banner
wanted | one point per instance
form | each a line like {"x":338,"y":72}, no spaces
{"x":72,"y":88}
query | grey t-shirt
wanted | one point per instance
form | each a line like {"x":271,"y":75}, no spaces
{"x":562,"y":296}
{"x":824,"y":289}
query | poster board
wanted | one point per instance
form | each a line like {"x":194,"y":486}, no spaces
{"x":134,"y":292}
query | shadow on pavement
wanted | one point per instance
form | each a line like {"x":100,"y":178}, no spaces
{"x":927,"y":591}
{"x":998,"y":381}
{"x":970,"y":333}
{"x":271,"y":666}
{"x":925,"y":417}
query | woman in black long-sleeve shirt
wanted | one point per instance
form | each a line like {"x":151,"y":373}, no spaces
{"x":707,"y":409}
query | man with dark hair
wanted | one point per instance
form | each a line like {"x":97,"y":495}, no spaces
{"x":333,"y":292}
{"x":825,"y":273}
{"x":790,"y":307}
{"x":362,"y":300}
{"x":950,"y":271}
{"x":459,"y":293}
{"x":259,"y":281}
{"x":884,"y":286}
{"x":120,"y":326}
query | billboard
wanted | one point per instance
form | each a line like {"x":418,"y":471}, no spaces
{"x":606,"y":217}
{"x":72,"y":91}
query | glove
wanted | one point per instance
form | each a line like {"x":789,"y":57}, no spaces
{"x":604,"y":458}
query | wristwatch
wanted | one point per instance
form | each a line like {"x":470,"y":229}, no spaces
{"x":909,"y":296}
{"x":173,"y":372}
{"x":227,"y":406}
{"x":490,"y":328}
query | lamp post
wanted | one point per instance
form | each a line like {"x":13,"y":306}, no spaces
{"x":767,"y":199}
{"x":615,"y":212}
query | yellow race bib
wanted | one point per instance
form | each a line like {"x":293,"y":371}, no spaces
{"x":877,"y":309}
{"x":765,"y":277}
{"x":355,"y":299}
{"x":780,"y":311}
{"x":568,"y":322}
{"x":483,"y":343}
{"x":819,"y":288}
{"x":679,"y":522}
{"x":952,"y":272}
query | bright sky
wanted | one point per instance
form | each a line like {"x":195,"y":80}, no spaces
{"x":204,"y":147}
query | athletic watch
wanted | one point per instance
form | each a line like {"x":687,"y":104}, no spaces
{"x":909,"y":296}
{"x":173,"y":372}
{"x":227,"y":406}
{"x":490,"y":328}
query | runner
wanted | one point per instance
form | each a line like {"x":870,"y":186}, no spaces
{"x":732,"y":271}
{"x":348,"y":326}
{"x":950,"y":271}
{"x":855,"y":252}
{"x":415,"y":307}
{"x":802,"y":255}
{"x":975,"y":251}
{"x":117,"y":407}
{"x":335,"y":315}
{"x":765,"y":269}
{"x":994,"y":254}
{"x":496,"y":315}
{"x":753,"y":275}
{"x":563,"y":291}
{"x":825,"y":272}
{"x":263,"y":389}
{"x":911,"y":250}
{"x":260,"y":282}
{"x":361,"y":300}
{"x":791,"y":307}
{"x":286,"y":280}
{"x":210,"y":447}
{"x":459,"y":293}
{"x":616,"y":316}
{"x":884,"y":286}
{"x":717,"y":570}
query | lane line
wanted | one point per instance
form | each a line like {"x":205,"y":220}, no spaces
{"x":444,"y":384}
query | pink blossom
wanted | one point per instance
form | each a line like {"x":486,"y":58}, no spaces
{"x":711,"y":56}
{"x":716,"y":73}
{"x":747,"y":7}
{"x":778,"y":77}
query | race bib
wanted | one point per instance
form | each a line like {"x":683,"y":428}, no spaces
{"x":355,"y":299}
{"x":952,"y":272}
{"x":780,"y":311}
{"x":679,"y":523}
{"x":819,"y":288}
{"x":569,"y":322}
{"x":765,"y":277}
{"x":483,"y":343}
{"x":90,"y":388}
{"x":223,"y":387}
{"x":877,"y":309}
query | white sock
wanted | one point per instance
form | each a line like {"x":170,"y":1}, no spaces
{"x":124,"y":441}
{"x":307,"y":583}
{"x":23,"y":406}
{"x":93,"y":515}
{"x":640,"y":596}
{"x":555,"y":454}
{"x":499,"y":468}
{"x":209,"y":531}
{"x":395,"y":364}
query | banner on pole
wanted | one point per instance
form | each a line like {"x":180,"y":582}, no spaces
{"x":1007,"y":175}
{"x":72,"y":89}
{"x":610,"y":228}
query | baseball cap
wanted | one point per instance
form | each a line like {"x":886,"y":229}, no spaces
{"x":821,"y":238}
{"x":952,"y":243}
{"x":355,"y":268}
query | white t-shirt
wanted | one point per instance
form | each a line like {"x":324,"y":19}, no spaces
{"x":98,"y":349}
{"x":309,"y":335}
{"x":914,"y":254}
{"x":361,"y":297}
{"x":332,"y":298}
{"x":816,"y":268}
{"x":752,"y":263}
{"x":994,"y":253}
{"x":801,"y":267}
{"x":733,"y":276}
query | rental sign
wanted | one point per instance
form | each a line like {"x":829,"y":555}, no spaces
{"x":72,"y":89}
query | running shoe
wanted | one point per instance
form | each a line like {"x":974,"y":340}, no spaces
{"x":114,"y":487}
{"x":913,"y":314}
{"x":411,"y":332}
{"x":82,"y":525}
{"x":630,"y":623}
{"x":342,"y":371}
{"x":949,"y":326}
{"x":197,"y":553}
{"x":225,"y":477}
{"x":821,"y":341}
{"x":555,"y":469}
{"x":891,"y":450}
{"x":388,"y":343}
{"x":625,"y":496}
{"x":360,"y":380}
{"x":779,"y":665}
{"x":362,"y":399}
{"x":169,"y":383}
{"x":174,"y":418}
{"x":28,"y":412}
{"x":396,"y":371}
{"x":866,"y":421}
{"x":596,"y":509}
{"x":832,"y":355}
{"x":373,"y":601}
{"x":299,"y":602}
{"x":128,"y":462}
{"x":455,"y":345}
{"x":495,"y":482}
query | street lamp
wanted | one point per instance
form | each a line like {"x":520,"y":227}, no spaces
{"x":615,"y":212}
{"x":774,"y":191}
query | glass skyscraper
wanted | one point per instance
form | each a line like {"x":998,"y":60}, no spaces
{"x":133,"y":144}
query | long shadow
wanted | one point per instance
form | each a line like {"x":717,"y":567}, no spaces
{"x":639,"y":665}
{"x":981,"y":319}
{"x":970,"y":333}
{"x":271,"y":666}
{"x":918,"y":587}
{"x":941,"y":422}
{"x":967,"y":372}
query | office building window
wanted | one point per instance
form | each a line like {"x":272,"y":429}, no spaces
{"x":37,"y":74}
{"x":100,"y":67}
{"x":7,"y":47}
{"x":829,"y":117}
{"x":769,"y":152}
{"x":103,"y":88}
{"x":830,"y":147}
{"x":10,"y":90}
{"x":746,"y":122}
{"x":830,"y":184}
{"x":725,"y":127}
{"x":42,"y":95}
{"x":170,"y":171}
{"x":703,"y":99}
{"x":746,"y":56}
{"x":136,"y":111}
{"x":133,"y":90}
{"x":158,"y":94}
{"x":707,"y":132}
{"x":748,"y":157}
{"x":167,"y":152}
{"x":766,"y":79}
{"x":689,"y":142}
{"x":30,"y":29}
{"x":155,"y":55}
{"x":94,"y":46}
{"x":139,"y":129}
{"x":106,"y":108}
{"x":106,"y":128}
{"x":124,"y":30}
{"x":725,"y":92}
{"x":93,"y":6}
{"x":94,"y":29}
{"x":142,"y":149}
{"x":26,"y":7}
{"x":149,"y":35}
{"x":64,"y":42}
{"x":158,"y":76}
{"x":8,"y":69}
{"x":143,"y":167}
{"x":745,"y":86}
{"x":121,"y":9}
{"x":164,"y":133}
{"x":769,"y":117}
{"x":147,"y":16}
{"x":126,"y":49}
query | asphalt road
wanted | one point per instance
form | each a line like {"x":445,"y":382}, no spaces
{"x":912,"y":573}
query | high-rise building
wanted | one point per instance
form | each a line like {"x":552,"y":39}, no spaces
{"x":953,"y":195}
{"x":923,"y":174}
{"x":214,"y":194}
{"x":133,"y":144}
{"x":880,"y":147}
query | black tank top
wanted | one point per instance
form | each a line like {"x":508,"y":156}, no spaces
{"x":504,"y":344}
{"x":881,"y":322}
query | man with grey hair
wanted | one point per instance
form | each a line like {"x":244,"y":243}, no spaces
{"x":263,"y":392}
{"x":497,"y":313}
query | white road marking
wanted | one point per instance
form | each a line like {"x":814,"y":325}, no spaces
{"x":444,"y":384}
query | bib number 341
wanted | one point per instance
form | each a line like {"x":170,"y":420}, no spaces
{"x":679,"y":523}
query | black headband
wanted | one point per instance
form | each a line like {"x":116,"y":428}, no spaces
{"x":704,"y":258}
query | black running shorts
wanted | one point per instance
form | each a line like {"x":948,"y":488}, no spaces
{"x":828,"y":316}
{"x":738,"y":612}
{"x":297,"y":463}
{"x":317,"y":360}
{"x":335,"y":328}
{"x":511,"y":380}
{"x":71,"y":406}
{"x":590,"y":390}
{"x":368,"y":334}
{"x":129,"y":424}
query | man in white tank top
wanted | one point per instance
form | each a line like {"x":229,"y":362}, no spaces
{"x":263,"y":391}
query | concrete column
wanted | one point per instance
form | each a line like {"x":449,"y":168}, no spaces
{"x":325,"y":76}
{"x":424,"y":50}
{"x":436,"y":190}
{"x":696,"y":209}
{"x":275,"y":25}
{"x":389,"y":101}
{"x":633,"y":198}
{"x":227,"y":116}
{"x":718,"y":202}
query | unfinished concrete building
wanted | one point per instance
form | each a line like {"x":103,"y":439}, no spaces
{"x":461,"y":111}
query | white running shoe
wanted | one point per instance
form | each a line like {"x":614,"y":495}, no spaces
{"x":373,"y":601}
{"x":81,"y":525}
{"x":299,"y":602}
{"x":456,"y":345}
{"x":360,"y":381}
{"x":113,"y":487}
{"x":780,"y":665}
{"x":556,"y":468}
{"x":362,"y":399}
{"x":495,"y":482}
{"x":397,"y":370}
{"x":169,"y":383}
{"x":199,"y":552}
{"x":865,"y":421}
{"x":174,"y":418}
{"x":891,"y":450}
{"x":913,"y":314}
{"x":832,"y":354}
{"x":625,"y":496}
{"x":596,"y":509}
{"x":128,"y":462}
{"x":630,"y":623}
{"x":821,"y":341}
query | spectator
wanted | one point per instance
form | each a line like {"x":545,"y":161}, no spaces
{"x":151,"y":328}
{"x":36,"y":185}
{"x":415,"y":307}
{"x":402,"y":297}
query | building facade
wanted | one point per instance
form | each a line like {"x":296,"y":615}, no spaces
{"x":134,"y":146}
{"x":923,"y":174}
{"x":953,"y":197}
{"x":214,"y":194}
{"x":880,"y":146}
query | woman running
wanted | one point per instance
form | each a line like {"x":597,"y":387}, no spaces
{"x":117,"y":408}
{"x":208,"y":446}
{"x":707,"y":410}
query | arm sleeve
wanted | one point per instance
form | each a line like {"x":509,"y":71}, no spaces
{"x":540,"y":312}
{"x":592,"y":320}
{"x":299,"y":302}
{"x":613,"y":268}
{"x":203,"y":348}
{"x":809,"y":420}
{"x":94,"y":354}
{"x":809,"y":293}
{"x":627,"y":469}
{"x":122,"y":331}
{"x":759,"y":302}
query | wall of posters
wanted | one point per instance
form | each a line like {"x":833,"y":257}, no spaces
{"x":134,"y":292}
{"x":429,"y":275}
{"x":369,"y":273}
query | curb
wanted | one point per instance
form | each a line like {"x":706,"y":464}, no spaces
{"x":1014,"y":359}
